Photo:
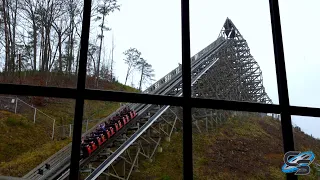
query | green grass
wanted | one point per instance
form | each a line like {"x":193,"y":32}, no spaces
{"x":24,"y":162}
{"x":24,"y":145}
{"x":240,"y":148}
{"x":18,"y":136}
{"x":167,"y":165}
{"x":245,"y":128}
{"x":63,"y":109}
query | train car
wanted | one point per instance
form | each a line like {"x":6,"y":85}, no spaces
{"x":105,"y":131}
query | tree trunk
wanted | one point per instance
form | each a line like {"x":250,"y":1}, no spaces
{"x":111,"y":73}
{"x":70,"y":58}
{"x":125,"y":83}
{"x":77,"y":59}
{"x":10,"y":60}
{"x":46,"y":50}
{"x":141,"y":76}
{"x":13,"y":40}
{"x":71,"y":53}
{"x":34,"y":46}
{"x":6,"y":35}
{"x":49,"y":49}
{"x":100,"y":48}
{"x":19,"y":58}
{"x":70,"y":48}
{"x":41,"y":67}
{"x":60,"y":52}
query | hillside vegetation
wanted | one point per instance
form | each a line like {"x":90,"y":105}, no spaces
{"x":241,"y":148}
{"x":63,"y":109}
{"x":24,"y":145}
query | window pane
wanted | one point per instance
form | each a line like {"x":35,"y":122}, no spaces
{"x":307,"y":138}
{"x":301,"y":50}
{"x":231,"y":47}
{"x":40,"y":42}
{"x":236,"y":145}
{"x":31,"y":132}
{"x":135,"y":46}
{"x":146,"y":156}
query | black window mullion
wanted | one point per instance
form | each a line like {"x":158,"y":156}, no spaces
{"x":81,"y":93}
{"x":28,"y":90}
{"x":286,"y":124}
{"x":186,"y":82}
{"x":78,"y":115}
{"x":281,"y":74}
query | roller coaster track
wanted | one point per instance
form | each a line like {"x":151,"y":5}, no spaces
{"x":224,"y":69}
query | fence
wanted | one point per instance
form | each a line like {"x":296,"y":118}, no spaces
{"x":34,"y":115}
{"x":66,"y":131}
{"x":16,"y":105}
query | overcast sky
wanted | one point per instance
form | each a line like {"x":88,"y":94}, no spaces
{"x":154,"y":28}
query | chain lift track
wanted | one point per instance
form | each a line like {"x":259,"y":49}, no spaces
{"x":225,"y":69}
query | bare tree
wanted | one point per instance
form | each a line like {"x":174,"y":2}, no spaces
{"x":6,"y":33}
{"x":132,"y":56}
{"x":49,"y":12}
{"x":104,"y":9}
{"x":61,"y":29}
{"x":14,"y":8}
{"x":77,"y":35}
{"x":92,"y":52}
{"x":30,"y":10}
{"x":112,"y":62}
{"x":44,"y":35}
{"x":74,"y":11}
{"x":147,"y":73}
{"x":132,"y":82}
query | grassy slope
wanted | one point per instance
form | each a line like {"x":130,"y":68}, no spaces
{"x":63,"y":109}
{"x":24,"y":145}
{"x":242,"y":148}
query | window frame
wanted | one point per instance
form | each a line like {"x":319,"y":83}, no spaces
{"x":80,"y":93}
